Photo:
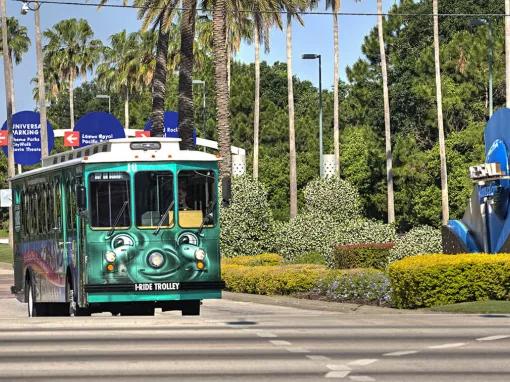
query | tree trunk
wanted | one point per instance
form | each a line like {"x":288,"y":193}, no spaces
{"x":11,"y":83}
{"x":229,"y":57}
{"x":71,"y":99}
{"x":439,"y":98}
{"x":336,"y":131}
{"x":186,"y":111}
{"x":126,"y":110}
{"x":387,"y":126}
{"x":256,"y":107}
{"x":221,"y":84}
{"x":8,"y":102}
{"x":159,"y":80}
{"x":507,"y":51}
{"x":292,"y":132}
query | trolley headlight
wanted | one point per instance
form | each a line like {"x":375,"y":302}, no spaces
{"x":156,"y":259}
{"x":110,"y":256}
{"x":200,"y":254}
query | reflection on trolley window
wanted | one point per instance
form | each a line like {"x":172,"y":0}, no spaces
{"x":109,"y":192}
{"x":197,"y":207}
{"x":154,"y":194}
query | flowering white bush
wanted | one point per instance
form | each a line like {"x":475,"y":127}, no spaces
{"x":247,"y":225}
{"x":306,"y":233}
{"x":365,"y":231}
{"x":334,"y":197}
{"x":419,"y":240}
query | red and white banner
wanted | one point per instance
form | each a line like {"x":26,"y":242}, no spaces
{"x":72,"y":138}
{"x":4,"y":137}
{"x":142,"y":134}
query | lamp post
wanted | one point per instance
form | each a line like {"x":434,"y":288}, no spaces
{"x":104,"y":96}
{"x":321,"y":157}
{"x":34,"y":7}
{"x":201,"y":82}
{"x":490,"y":53}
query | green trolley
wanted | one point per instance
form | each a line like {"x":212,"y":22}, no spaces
{"x":124,"y":226}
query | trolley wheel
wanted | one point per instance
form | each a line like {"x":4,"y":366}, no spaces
{"x":74,"y":309}
{"x":34,"y":308}
{"x":191,"y":308}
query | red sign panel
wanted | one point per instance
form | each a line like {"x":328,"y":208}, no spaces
{"x":4,"y":138}
{"x":142,"y":134}
{"x":72,"y":138}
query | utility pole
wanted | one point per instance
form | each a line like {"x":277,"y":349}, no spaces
{"x":8,"y":101}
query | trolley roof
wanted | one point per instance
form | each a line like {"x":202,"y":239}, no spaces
{"x":124,"y":150}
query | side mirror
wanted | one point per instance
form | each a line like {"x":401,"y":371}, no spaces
{"x":226,"y":191}
{"x":81,"y":198}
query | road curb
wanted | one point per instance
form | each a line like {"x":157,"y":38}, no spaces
{"x":301,"y":303}
{"x":5,"y":266}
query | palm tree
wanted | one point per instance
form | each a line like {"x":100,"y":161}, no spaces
{"x":291,"y":9}
{"x":387,"y":127}
{"x":439,"y":97}
{"x":221,"y":86}
{"x":335,"y":6}
{"x":119,"y":69}
{"x":72,"y":52}
{"x":262,"y":21}
{"x":19,"y":42}
{"x":185,"y":106}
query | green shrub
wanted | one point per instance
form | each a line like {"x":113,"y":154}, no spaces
{"x":310,"y":258}
{"x":429,"y":280}
{"x":250,"y":261}
{"x":278,"y":279}
{"x":360,"y":256}
{"x":364,"y":232}
{"x":247,"y":225}
{"x":363,"y":286}
{"x":418,"y":241}
{"x":306,"y":233}
{"x":334,"y":197}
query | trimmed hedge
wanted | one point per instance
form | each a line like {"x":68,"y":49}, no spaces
{"x":244,"y":275}
{"x":418,"y":241}
{"x":373,"y":255}
{"x":429,"y":280}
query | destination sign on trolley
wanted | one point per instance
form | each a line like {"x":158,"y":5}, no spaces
{"x":98,"y":176}
{"x":155,"y":287}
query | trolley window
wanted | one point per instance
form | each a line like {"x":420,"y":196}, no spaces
{"x":109,"y":196}
{"x":196,"y":197}
{"x":154,"y":199}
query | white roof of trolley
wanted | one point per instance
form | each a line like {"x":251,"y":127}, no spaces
{"x":125,"y":150}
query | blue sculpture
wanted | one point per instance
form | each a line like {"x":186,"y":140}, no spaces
{"x":485,"y":226}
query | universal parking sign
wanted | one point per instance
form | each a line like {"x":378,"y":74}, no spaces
{"x":26,"y":131}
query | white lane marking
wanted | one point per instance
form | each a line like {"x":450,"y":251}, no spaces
{"x":399,"y":353}
{"x":338,"y":367}
{"x":447,"y":346}
{"x":362,"y":362}
{"x":337,"y":374}
{"x":266,"y":335}
{"x":492,"y":338}
{"x":361,"y":378}
{"x":280,"y":343}
{"x":318,"y":357}
{"x":297,"y":350}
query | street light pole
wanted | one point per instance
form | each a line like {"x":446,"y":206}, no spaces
{"x":201,"y":82}
{"x":321,"y":156}
{"x":491,"y":52}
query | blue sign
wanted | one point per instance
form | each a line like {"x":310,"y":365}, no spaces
{"x":98,"y":126}
{"x":26,"y":130}
{"x":171,"y":123}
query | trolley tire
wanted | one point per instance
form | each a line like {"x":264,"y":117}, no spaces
{"x":72,"y":306}
{"x":191,"y":308}
{"x":34,"y":308}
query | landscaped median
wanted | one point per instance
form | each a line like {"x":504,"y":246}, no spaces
{"x":267,"y":274}
{"x":431,"y":280}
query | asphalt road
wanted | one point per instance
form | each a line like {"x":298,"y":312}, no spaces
{"x":249,"y":341}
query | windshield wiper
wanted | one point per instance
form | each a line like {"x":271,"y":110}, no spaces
{"x":165,"y":215}
{"x":208,"y":212}
{"x":117,"y":218}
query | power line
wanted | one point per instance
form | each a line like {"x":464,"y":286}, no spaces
{"x":305,"y":13}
